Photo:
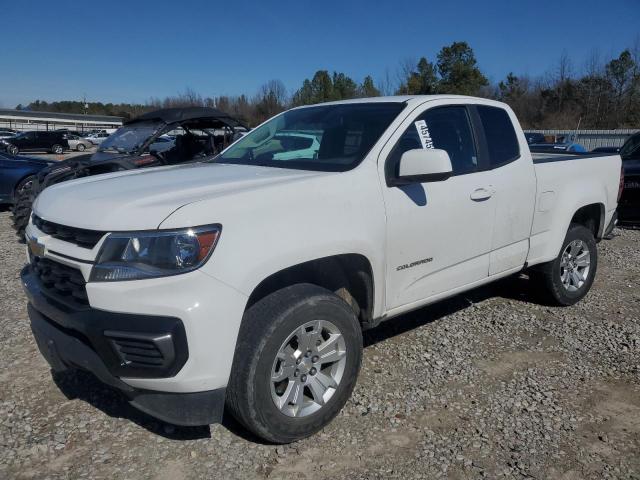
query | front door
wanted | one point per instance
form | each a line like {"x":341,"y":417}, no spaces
{"x":438,"y":233}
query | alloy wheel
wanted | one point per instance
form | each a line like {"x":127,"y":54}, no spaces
{"x":308,"y":368}
{"x":575,"y":265}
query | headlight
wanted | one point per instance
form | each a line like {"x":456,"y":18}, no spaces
{"x":151,"y":254}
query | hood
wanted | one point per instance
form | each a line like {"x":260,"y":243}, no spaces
{"x":142,"y":199}
{"x":35,"y":161}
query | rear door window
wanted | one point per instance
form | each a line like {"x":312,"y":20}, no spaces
{"x":502,"y":142}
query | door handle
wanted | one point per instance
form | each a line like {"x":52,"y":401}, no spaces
{"x":480,"y":194}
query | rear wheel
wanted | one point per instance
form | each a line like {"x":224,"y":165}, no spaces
{"x":57,"y":149}
{"x":569,"y":277}
{"x":81,"y":147}
{"x":13,"y":150}
{"x":297,"y":359}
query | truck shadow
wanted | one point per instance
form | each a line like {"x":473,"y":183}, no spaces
{"x":80,"y":385}
{"x":517,"y":287}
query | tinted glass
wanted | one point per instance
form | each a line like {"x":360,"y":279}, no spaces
{"x":445,"y":128}
{"x":631,"y":148}
{"x":502,"y":141}
{"x":324,"y":138}
{"x":129,"y":138}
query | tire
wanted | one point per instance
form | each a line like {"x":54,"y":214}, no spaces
{"x":266,"y":328}
{"x":13,"y":150}
{"x":81,"y":147}
{"x":57,"y":149}
{"x":561,"y":286}
{"x":22,"y":211}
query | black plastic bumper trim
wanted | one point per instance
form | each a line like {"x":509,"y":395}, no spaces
{"x":65,"y":352}
{"x":185,"y":409}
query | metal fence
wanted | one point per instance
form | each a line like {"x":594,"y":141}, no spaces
{"x":28,"y":126}
{"x":591,"y":139}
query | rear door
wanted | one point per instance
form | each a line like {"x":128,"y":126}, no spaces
{"x":28,"y":142}
{"x":514,"y":186}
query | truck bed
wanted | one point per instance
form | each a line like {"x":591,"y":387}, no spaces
{"x":563,"y":186}
{"x":545,"y":156}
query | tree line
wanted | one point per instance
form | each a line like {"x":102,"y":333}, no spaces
{"x":602,"y":94}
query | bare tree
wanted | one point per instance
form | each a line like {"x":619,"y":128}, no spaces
{"x":385,"y":85}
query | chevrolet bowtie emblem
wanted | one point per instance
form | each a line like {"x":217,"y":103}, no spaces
{"x":35,"y":247}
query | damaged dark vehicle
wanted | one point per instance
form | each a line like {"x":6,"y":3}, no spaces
{"x":164,"y":137}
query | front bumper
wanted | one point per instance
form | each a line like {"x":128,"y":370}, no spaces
{"x":191,"y":343}
{"x":66,"y":344}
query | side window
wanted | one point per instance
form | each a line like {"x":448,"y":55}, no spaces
{"x":446,"y":128}
{"x":502,"y":142}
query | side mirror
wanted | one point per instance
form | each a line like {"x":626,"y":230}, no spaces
{"x":423,"y":165}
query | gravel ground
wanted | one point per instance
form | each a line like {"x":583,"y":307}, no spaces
{"x":490,"y":384}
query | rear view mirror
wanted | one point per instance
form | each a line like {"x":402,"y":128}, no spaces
{"x":423,"y":165}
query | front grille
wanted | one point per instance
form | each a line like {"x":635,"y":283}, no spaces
{"x":79,"y":236}
{"x":142,"y":350}
{"x":60,"y":282}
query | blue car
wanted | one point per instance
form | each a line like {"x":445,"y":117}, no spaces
{"x":16,"y":173}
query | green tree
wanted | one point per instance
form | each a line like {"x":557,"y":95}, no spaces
{"x":324,"y":88}
{"x":343,"y":87}
{"x":367,"y":88}
{"x":459,"y":73}
{"x":511,"y":89}
{"x":622,"y":73}
{"x":421,"y":81}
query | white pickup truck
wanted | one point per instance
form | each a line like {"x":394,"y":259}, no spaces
{"x":246,"y":281}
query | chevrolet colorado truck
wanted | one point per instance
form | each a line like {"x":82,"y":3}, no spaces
{"x":243,"y":283}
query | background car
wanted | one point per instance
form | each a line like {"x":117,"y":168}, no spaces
{"x":606,"y":150}
{"x":8,"y":132}
{"x":17,"y":174}
{"x":571,"y":147}
{"x":78,"y":144}
{"x":629,"y":204}
{"x":97,"y":138}
{"x":162,"y":144}
{"x":297,"y":145}
{"x":200,"y":133}
{"x":73,"y":132}
{"x":54,"y":142}
{"x":534,"y":138}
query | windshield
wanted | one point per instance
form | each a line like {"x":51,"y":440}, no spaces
{"x":324,"y":138}
{"x":129,"y":138}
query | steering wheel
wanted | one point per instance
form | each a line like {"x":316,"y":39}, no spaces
{"x":159,"y":155}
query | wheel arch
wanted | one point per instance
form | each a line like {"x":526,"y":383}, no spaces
{"x":14,"y":192}
{"x":591,"y":216}
{"x":350,"y":276}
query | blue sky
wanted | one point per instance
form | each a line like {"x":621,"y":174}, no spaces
{"x":129,"y":51}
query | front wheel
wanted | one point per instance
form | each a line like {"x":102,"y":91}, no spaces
{"x":569,"y":277}
{"x":80,"y":147}
{"x":57,"y":149}
{"x":13,"y":150}
{"x":296,"y":362}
